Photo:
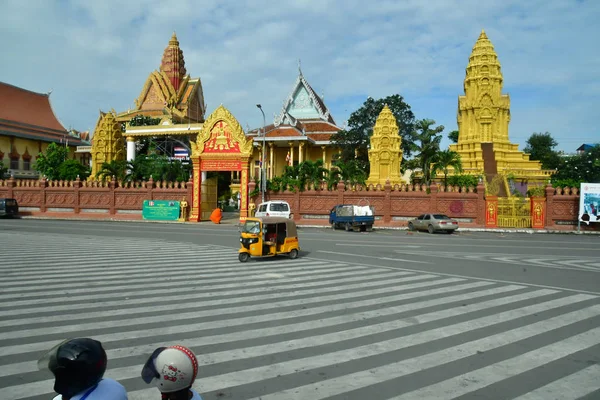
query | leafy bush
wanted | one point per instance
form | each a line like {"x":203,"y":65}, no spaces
{"x":536,"y":191}
{"x":3,"y":172}
{"x":562,"y":183}
{"x":463,"y":180}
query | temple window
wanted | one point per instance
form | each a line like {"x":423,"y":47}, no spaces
{"x":26,"y":164}
{"x":14,"y":163}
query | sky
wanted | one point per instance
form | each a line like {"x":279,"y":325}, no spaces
{"x":96,"y":56}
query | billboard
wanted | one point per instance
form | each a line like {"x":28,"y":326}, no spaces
{"x":589,"y":202}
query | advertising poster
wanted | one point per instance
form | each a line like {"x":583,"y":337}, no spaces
{"x":589,"y":202}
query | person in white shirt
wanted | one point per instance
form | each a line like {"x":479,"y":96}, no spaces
{"x":78,"y":366}
{"x":173,"y":370}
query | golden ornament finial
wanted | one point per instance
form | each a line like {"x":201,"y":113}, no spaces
{"x":174,"y":40}
{"x":482,"y":35}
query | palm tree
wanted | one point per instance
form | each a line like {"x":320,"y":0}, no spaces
{"x":443,"y":161}
{"x":137,"y":169}
{"x":290,"y":177}
{"x":429,"y":146}
{"x":313,"y":172}
{"x":116,"y":168}
{"x":349,"y":171}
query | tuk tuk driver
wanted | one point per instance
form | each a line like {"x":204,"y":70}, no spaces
{"x":270,"y":237}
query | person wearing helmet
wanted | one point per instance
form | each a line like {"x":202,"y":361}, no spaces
{"x":78,"y":366}
{"x":173,"y":370}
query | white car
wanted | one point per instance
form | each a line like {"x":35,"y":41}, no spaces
{"x":273,"y":208}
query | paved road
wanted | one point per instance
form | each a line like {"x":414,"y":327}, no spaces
{"x":384,"y":315}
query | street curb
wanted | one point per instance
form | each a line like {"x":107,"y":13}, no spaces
{"x":495,"y":230}
{"x":300,"y":226}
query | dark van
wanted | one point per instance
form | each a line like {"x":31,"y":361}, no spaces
{"x":9,"y":207}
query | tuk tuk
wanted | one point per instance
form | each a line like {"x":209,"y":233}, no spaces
{"x":268,"y":237}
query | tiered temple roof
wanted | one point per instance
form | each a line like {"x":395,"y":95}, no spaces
{"x":304,"y":116}
{"x":29,"y":115}
{"x":170,"y":92}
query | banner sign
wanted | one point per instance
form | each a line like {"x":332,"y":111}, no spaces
{"x":160,"y":210}
{"x":220,"y":165}
{"x":589,"y":202}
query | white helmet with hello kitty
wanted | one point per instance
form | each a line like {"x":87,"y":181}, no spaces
{"x":171,"y":368}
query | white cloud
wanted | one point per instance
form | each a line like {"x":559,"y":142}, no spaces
{"x":97,"y":55}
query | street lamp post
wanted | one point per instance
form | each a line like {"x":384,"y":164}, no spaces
{"x":263,"y":181}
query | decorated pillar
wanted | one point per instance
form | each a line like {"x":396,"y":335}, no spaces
{"x":291,"y":153}
{"x":270,"y":160}
{"x":244,"y":191}
{"x":324,"y":148}
{"x":130,"y":148}
{"x":300,"y":153}
{"x":491,"y":212}
{"x":538,"y":212}
{"x":197,"y":194}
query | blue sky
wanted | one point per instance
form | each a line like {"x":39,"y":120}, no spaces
{"x":96,"y":55}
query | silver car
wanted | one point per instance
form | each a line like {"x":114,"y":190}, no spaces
{"x":433,"y":223}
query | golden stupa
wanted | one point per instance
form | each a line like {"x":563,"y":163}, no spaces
{"x":107,"y":143}
{"x":385,"y":152}
{"x":483,"y":117}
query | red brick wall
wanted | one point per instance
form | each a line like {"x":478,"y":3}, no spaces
{"x":394,"y":205}
{"x":84,"y":197}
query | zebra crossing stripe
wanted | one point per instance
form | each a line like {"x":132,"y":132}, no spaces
{"x":143,"y":298}
{"x":124,"y":268}
{"x":570,"y":387}
{"x":337,"y":270}
{"x":467,"y":383}
{"x":236,"y":354}
{"x":215,"y":274}
{"x":134,"y":321}
{"x":240,"y":321}
{"x":346,"y":383}
{"x":260,"y":373}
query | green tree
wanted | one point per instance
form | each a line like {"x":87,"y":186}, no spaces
{"x":427,"y":145}
{"x":584,"y":167}
{"x":48,"y":163}
{"x":540,"y":147}
{"x":313,"y":172}
{"x":453,"y":136}
{"x":71,"y":169}
{"x":3,"y":172}
{"x":443,"y":161}
{"x":350,"y":172}
{"x":354,"y":141}
{"x":116,"y":168}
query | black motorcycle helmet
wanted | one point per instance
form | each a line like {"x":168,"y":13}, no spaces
{"x":77,"y":364}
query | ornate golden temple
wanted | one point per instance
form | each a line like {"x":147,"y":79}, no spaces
{"x":170,"y":93}
{"x":108,"y":144}
{"x":483,"y":117}
{"x":385,"y":152}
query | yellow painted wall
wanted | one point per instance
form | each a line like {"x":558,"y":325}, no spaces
{"x":31,"y":146}
{"x":310,"y":153}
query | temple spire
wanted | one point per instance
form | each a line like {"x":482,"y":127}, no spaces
{"x":173,"y":63}
{"x":174,"y":41}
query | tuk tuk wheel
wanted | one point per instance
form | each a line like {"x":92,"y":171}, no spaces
{"x":243,"y":257}
{"x":293,"y":254}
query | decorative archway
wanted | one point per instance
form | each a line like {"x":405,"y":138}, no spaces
{"x":221,"y":145}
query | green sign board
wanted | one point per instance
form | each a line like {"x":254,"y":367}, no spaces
{"x":164,"y":210}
